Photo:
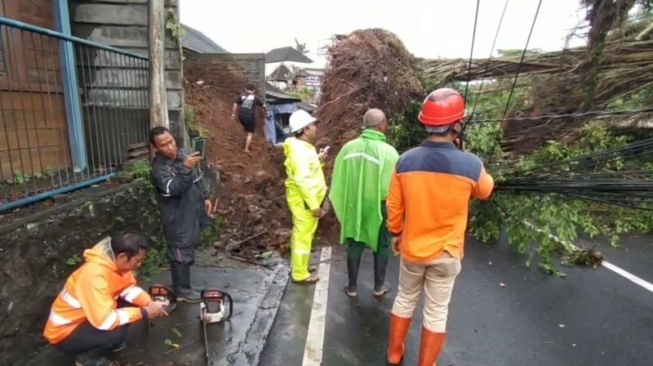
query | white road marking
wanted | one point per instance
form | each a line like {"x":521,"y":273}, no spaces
{"x":317,"y":322}
{"x":645,"y":284}
{"x":605,"y":264}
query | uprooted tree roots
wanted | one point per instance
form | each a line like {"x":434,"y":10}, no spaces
{"x":369,"y":68}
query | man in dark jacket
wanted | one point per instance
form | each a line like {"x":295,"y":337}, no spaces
{"x":245,"y":108}
{"x":184,"y":207}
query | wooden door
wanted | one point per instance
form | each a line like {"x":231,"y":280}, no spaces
{"x":33,"y":128}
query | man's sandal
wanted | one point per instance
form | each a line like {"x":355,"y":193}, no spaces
{"x":312,"y":268}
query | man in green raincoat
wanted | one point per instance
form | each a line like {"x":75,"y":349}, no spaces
{"x":359,"y":187}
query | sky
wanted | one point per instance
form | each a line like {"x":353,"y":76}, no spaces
{"x":429,"y":29}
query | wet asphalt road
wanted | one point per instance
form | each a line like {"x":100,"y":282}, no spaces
{"x":593,"y":317}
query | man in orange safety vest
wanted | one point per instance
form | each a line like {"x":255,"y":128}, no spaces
{"x":427,"y":206}
{"x":89,"y":317}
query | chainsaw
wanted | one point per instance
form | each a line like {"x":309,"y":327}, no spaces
{"x":213,"y":309}
{"x":162,"y":293}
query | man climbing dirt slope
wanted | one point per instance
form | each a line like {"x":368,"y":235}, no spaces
{"x":245,"y":107}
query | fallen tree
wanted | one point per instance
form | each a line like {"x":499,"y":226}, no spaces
{"x":369,"y":68}
{"x":536,"y":218}
{"x":618,"y":57}
{"x":614,"y":69}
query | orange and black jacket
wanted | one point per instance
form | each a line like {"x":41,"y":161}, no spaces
{"x":429,"y":198}
{"x":90,"y":295}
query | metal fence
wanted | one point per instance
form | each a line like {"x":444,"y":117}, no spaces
{"x":70,"y":112}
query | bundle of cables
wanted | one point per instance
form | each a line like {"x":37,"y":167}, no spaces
{"x":618,"y":176}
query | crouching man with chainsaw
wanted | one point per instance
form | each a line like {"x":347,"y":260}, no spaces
{"x":305,"y":191}
{"x":428,"y":205}
{"x":185,"y":207}
{"x":85,"y":319}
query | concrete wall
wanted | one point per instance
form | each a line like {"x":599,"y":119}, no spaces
{"x":36,"y":249}
{"x":231,"y":70}
{"x":115,"y":87}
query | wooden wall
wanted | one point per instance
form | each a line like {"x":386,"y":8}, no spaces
{"x":124,"y":24}
{"x":33,"y":128}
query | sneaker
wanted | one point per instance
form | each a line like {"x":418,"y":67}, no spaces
{"x":381,"y":291}
{"x":350,"y":292}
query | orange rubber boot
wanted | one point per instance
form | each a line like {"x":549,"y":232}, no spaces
{"x":430,"y":347}
{"x":398,"y":330}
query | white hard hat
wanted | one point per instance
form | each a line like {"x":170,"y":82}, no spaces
{"x":300,"y":119}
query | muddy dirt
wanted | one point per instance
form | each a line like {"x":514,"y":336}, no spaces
{"x":251,"y":193}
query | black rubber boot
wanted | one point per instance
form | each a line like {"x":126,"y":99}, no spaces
{"x":181,"y":283}
{"x":120,"y":347}
{"x":92,"y":359}
{"x":380,"y":267}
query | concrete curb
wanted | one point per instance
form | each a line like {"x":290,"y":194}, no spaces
{"x":249,"y":352}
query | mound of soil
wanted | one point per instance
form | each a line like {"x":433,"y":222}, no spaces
{"x":251,"y":200}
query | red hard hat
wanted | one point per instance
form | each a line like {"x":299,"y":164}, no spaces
{"x":442,"y":107}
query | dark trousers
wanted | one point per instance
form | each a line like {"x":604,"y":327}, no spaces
{"x":355,"y":251}
{"x":88,"y":339}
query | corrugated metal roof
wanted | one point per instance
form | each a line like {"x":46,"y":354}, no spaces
{"x":286,"y":54}
{"x":274,"y":92}
{"x":196,"y":41}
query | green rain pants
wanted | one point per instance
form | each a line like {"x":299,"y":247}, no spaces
{"x":304,"y":225}
{"x":355,"y":252}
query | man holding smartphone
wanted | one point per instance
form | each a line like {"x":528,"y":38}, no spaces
{"x":185,"y":207}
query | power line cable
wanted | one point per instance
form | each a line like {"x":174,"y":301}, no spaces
{"x":471,"y":52}
{"x":569,"y":115}
{"x":487,"y":64}
{"x":523,"y":55}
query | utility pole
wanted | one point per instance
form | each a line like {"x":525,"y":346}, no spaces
{"x":156,"y":30}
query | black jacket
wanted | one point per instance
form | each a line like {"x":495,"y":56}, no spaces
{"x":181,"y":195}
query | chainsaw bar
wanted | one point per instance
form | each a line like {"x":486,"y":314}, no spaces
{"x":206,"y":339}
{"x":213,"y":309}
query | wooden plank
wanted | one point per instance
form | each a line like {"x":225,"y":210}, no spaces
{"x":34,"y":138}
{"x":27,"y":161}
{"x":36,"y":12}
{"x":19,"y":101}
{"x":172,"y":3}
{"x":45,"y":79}
{"x":127,"y":37}
{"x":138,"y":153}
{"x":138,"y":145}
{"x":28,"y":119}
{"x":32,"y":87}
{"x":110,"y":14}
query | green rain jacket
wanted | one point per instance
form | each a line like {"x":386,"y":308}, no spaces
{"x":359,"y":185}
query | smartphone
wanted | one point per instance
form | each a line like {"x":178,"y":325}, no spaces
{"x":198,"y":146}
